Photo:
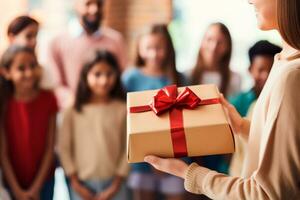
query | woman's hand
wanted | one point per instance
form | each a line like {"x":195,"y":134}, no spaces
{"x":169,"y":165}
{"x":238,"y":124}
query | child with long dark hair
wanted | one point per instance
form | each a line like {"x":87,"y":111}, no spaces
{"x":93,"y":135}
{"x":155,"y":68}
{"x":212,"y":65}
{"x":28,"y":115}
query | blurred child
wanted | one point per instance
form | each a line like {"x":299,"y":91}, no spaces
{"x":213,"y":67}
{"x":261,"y":56}
{"x":213,"y":61}
{"x":92,"y":142}
{"x":28,"y":115}
{"x":22,"y":31}
{"x":155,"y":68}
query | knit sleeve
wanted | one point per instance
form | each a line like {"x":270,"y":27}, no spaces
{"x":277,"y":175}
{"x":123,"y":167}
{"x":65,"y":147}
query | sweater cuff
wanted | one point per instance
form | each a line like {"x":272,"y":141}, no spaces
{"x":123,"y":171}
{"x":194,"y":178}
{"x":69,"y":170}
{"x":123,"y":168}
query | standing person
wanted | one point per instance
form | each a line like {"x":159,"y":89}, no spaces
{"x":22,"y":31}
{"x":92,"y":140}
{"x":272,"y":166}
{"x":261,"y":56}
{"x":155,"y":68}
{"x":28,"y":115}
{"x":212,"y":67}
{"x":67,"y":51}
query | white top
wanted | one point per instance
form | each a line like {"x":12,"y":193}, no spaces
{"x":212,"y":77}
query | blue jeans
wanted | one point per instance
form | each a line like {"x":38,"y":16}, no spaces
{"x":101,"y":185}
{"x":47,"y":190}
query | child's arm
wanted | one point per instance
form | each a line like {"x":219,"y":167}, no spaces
{"x":83,"y":192}
{"x":47,"y":160}
{"x":122,"y":168}
{"x":8,"y":172}
{"x":65,"y":152}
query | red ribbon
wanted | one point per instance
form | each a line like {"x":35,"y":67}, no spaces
{"x":168,"y":99}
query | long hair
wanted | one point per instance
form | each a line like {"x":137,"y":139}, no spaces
{"x":169,"y":64}
{"x":223,"y":65}
{"x":19,"y":24}
{"x":288,"y":17}
{"x":6,"y":86}
{"x":84,"y":93}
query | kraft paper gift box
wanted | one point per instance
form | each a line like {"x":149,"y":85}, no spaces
{"x":177,"y":122}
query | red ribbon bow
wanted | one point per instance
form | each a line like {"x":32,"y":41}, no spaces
{"x":168,"y":99}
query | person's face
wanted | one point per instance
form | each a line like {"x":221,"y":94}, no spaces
{"x":90,"y":13}
{"x":24,"y":71}
{"x":260,"y":69}
{"x":266,"y":13}
{"x":101,"y":79}
{"x":27,"y":37}
{"x":153,"y":50}
{"x":214,"y":46}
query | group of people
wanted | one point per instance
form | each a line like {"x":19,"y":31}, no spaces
{"x":80,"y":124}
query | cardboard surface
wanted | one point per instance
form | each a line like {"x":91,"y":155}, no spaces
{"x":206,"y":128}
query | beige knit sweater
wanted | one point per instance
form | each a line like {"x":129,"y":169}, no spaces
{"x":92,"y":144}
{"x":272,"y":167}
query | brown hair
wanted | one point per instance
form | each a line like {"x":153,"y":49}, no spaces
{"x":7,"y":86}
{"x":223,"y":65}
{"x":19,"y":24}
{"x":170,"y":62}
{"x":288,"y":16}
{"x":84,"y":93}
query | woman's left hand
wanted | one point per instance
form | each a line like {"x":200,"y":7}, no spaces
{"x":169,"y":165}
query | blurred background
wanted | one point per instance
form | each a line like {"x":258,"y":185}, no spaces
{"x":188,"y":20}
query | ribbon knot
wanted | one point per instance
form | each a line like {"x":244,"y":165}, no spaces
{"x":168,"y":98}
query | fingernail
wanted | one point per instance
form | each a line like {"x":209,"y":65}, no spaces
{"x":148,"y":159}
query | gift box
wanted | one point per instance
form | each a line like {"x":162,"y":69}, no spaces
{"x":177,"y":122}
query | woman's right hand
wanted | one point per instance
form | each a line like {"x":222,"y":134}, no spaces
{"x":238,"y":124}
{"x":83,"y":192}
